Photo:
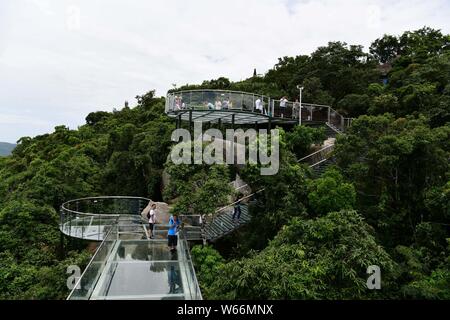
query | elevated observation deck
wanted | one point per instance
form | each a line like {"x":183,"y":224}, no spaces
{"x":127,"y":264}
{"x":243,"y":108}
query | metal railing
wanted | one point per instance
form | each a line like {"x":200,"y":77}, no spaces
{"x":317,"y":157}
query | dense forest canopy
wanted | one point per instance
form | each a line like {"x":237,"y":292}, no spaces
{"x":386,"y":201}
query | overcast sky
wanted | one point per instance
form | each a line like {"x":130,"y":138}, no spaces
{"x":61,"y":59}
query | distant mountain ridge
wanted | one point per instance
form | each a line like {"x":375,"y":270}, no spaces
{"x":6,"y":148}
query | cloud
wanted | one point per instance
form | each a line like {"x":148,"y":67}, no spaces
{"x":62,"y":59}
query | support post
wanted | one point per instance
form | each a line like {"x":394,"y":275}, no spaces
{"x":232,"y":121}
{"x":190,"y":122}
{"x":329,"y":115}
{"x":61,"y":245}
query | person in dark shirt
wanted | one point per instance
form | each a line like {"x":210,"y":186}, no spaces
{"x":237,"y":211}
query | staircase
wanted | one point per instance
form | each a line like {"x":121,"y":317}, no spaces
{"x":322,"y":166}
{"x":222,"y":224}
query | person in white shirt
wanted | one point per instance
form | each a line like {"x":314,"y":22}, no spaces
{"x":177,"y":104}
{"x":218,"y":105}
{"x":152,"y":219}
{"x":258,"y":105}
{"x":283,"y":106}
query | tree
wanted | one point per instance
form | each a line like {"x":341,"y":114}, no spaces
{"x":385,"y":49}
{"x":324,"y":258}
{"x":403,"y":158}
{"x":301,"y":138}
{"x":330,"y":193}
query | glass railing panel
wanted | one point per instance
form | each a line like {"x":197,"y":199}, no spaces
{"x":235,"y":101}
{"x":192,"y":289}
{"x":307,"y":113}
{"x":94,"y":269}
{"x":248,"y":102}
{"x":147,"y":270}
{"x":197,"y":101}
{"x":319,"y":113}
{"x":336,"y":119}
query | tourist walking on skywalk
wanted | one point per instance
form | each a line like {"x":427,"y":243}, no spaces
{"x":172,"y":234}
{"x":237,"y":211}
{"x":152,"y":219}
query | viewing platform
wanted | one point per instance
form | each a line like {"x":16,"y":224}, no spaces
{"x":243,"y":108}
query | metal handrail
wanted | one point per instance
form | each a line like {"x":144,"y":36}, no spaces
{"x":217,"y":90}
{"x":331,"y":146}
{"x":241,"y":199}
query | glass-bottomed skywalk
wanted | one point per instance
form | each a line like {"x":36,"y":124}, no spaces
{"x":127,"y":264}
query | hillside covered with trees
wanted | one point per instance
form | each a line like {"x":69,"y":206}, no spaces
{"x":386,"y":201}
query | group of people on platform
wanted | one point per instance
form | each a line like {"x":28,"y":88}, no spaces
{"x":225,"y":104}
{"x":175,"y":224}
{"x":284,"y":111}
{"x":174,"y":227}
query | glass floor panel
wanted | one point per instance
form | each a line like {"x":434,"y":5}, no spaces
{"x":139,"y":269}
{"x":149,"y":280}
{"x":144,"y":251}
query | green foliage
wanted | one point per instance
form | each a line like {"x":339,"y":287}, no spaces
{"x":198,"y":189}
{"x":122,"y":152}
{"x":300,"y":139}
{"x":427,"y":274}
{"x":330,"y":193}
{"x":354,"y":105}
{"x":404,"y":158}
{"x":324,"y":258}
{"x":207,"y":262}
{"x":392,"y":168}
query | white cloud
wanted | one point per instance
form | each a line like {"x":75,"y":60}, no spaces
{"x":64,"y":59}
